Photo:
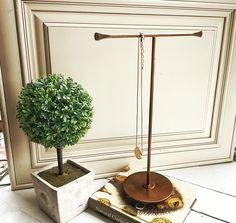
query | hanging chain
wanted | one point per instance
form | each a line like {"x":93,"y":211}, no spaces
{"x":142,"y":50}
{"x":140,"y":66}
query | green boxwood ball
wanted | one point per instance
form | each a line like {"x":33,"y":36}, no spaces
{"x":54,"y":111}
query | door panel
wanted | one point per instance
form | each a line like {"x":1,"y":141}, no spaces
{"x":194,"y":115}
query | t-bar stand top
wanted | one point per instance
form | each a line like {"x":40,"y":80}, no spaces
{"x":147,"y":186}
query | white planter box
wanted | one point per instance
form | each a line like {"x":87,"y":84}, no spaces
{"x":65,"y":202}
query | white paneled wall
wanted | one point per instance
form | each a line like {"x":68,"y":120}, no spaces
{"x":194,"y":113}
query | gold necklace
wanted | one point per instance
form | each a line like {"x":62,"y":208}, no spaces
{"x":138,"y":151}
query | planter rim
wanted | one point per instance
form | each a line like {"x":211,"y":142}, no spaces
{"x":35,"y":174}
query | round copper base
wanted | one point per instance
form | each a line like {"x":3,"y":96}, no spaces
{"x":135,"y":187}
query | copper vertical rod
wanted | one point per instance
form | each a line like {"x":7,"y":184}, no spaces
{"x":100,"y":36}
{"x":151,"y":110}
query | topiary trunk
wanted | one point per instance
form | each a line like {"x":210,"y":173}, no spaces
{"x":60,"y":161}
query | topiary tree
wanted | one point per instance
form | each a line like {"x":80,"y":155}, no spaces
{"x":55,"y":111}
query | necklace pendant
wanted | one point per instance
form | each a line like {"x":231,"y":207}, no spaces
{"x":137,"y":153}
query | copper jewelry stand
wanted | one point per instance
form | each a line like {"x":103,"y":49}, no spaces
{"x":147,"y":186}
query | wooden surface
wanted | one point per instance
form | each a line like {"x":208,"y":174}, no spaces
{"x":216,"y":200}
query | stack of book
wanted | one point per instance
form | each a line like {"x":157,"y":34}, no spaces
{"x":112,"y":202}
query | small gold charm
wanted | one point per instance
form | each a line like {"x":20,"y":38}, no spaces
{"x":137,"y":153}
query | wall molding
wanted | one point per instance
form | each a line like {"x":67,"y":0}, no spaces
{"x":39,"y":23}
{"x":37,"y":20}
